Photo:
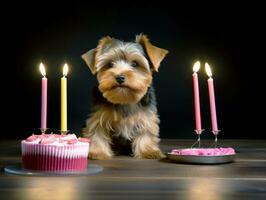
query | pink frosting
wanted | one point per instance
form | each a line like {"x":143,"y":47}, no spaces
{"x":31,"y":138}
{"x":204,"y":151}
{"x":55,"y":139}
{"x":84,"y":139}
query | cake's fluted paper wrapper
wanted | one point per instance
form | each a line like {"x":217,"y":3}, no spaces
{"x":54,"y":158}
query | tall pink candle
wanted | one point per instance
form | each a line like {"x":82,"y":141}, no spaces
{"x":44,"y":99}
{"x":212,"y":99}
{"x":196,"y":97}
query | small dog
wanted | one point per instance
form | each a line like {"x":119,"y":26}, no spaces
{"x":124,"y":112}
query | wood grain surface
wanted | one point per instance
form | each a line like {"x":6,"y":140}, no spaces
{"x":124,"y":177}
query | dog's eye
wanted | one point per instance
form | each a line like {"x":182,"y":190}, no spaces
{"x":134,"y":64}
{"x":110,"y":65}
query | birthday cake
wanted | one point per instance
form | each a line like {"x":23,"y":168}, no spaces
{"x":203,"y":151}
{"x":54,"y":152}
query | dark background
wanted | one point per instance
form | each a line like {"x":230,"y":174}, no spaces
{"x":227,"y":35}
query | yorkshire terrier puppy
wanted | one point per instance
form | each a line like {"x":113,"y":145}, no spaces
{"x":124,"y":112}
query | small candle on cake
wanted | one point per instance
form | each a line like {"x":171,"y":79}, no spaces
{"x":212,"y":100}
{"x":44,"y":99}
{"x":64,"y":100}
{"x":196,"y":68}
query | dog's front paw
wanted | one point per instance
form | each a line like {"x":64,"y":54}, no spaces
{"x":152,"y":155}
{"x":98,"y":156}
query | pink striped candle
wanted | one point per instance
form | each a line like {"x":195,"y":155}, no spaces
{"x":196,"y":68}
{"x":212,"y":99}
{"x":44,"y":99}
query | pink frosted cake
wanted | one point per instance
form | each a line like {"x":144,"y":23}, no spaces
{"x":204,"y":152}
{"x":53,"y":152}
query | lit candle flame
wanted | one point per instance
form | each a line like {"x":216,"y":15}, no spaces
{"x":208,"y":70}
{"x":42,"y":69}
{"x":196,"y":66}
{"x":65,"y":69}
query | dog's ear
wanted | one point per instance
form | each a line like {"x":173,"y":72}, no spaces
{"x":102,"y":43}
{"x":90,"y":56}
{"x":155,"y":54}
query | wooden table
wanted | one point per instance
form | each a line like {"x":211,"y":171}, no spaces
{"x":128,"y":178}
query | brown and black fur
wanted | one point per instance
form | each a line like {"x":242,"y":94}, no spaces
{"x":124,"y":115}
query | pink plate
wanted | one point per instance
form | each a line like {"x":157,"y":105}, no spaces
{"x":202,"y":155}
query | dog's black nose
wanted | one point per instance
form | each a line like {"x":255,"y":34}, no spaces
{"x":120,"y":79}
